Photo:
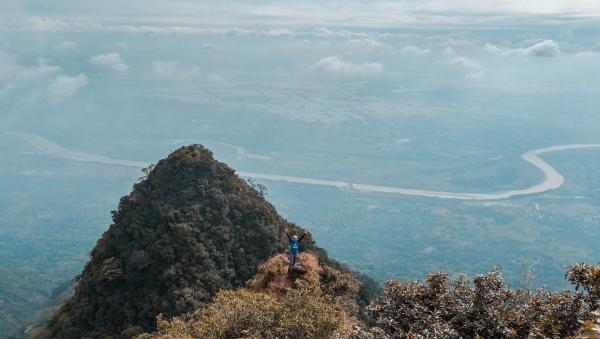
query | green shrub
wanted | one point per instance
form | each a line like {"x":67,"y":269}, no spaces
{"x":484,"y":307}
{"x":246,"y":314}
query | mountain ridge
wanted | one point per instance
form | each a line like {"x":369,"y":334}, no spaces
{"x":195,"y":241}
{"x":189,"y":229}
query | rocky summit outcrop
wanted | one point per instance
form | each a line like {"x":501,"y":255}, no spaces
{"x":189,"y":229}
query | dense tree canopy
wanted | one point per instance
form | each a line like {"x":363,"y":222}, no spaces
{"x":188,"y":230}
{"x":192,"y":230}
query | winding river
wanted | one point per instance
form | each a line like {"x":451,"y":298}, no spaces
{"x":553,"y":179}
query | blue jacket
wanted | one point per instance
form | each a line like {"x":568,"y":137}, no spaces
{"x":294,"y":244}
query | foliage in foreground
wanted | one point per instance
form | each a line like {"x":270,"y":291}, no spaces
{"x":323,"y":306}
{"x":486,"y":308}
{"x":311,"y":302}
{"x":307,"y":313}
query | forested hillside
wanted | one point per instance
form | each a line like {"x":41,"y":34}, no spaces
{"x":193,"y":244}
{"x":188,"y":230}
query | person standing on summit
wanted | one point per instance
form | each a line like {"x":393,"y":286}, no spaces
{"x":294,"y":247}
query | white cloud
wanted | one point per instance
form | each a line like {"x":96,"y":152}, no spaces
{"x":471,"y":68}
{"x":312,"y":13}
{"x":38,"y":82}
{"x":120,"y":67}
{"x":545,"y":48}
{"x":110,"y":60}
{"x":588,"y":54}
{"x":14,"y":76}
{"x":45,"y":24}
{"x":334,"y":65}
{"x":464,"y":63}
{"x":279,"y":32}
{"x":415,"y":50}
{"x":36,"y":72}
{"x":495,"y":49}
{"x":65,"y":87}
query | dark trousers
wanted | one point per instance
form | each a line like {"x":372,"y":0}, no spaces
{"x":293,"y":259}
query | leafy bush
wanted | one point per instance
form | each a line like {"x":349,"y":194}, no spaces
{"x":342,"y":287}
{"x":484,"y":307}
{"x":246,"y":314}
{"x":587,"y":278}
{"x":311,"y":303}
{"x":591,"y":328}
{"x":233,"y":314}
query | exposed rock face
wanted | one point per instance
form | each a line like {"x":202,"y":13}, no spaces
{"x":188,"y":230}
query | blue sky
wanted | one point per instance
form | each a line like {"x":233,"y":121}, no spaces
{"x":364,"y":38}
{"x":372,"y":58}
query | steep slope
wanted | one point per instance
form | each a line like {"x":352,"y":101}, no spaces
{"x":189,"y":229}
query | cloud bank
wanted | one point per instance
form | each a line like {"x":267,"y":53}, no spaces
{"x":110,"y":60}
{"x":335,"y":66}
{"x":471,"y":68}
{"x":545,"y":48}
{"x":314,"y":13}
{"x":37,"y":82}
{"x":65,"y":87}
